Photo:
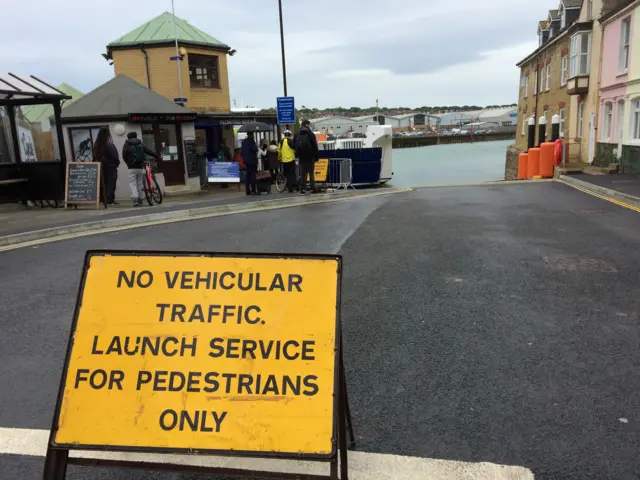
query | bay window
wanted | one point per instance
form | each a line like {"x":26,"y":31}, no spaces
{"x":606,"y":121}
{"x":580,"y":54}
{"x":635,"y":118}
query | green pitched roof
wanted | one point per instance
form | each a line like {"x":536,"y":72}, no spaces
{"x":160,"y":30}
{"x":37,"y":113}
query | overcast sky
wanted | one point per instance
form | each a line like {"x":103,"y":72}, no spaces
{"x":346,"y":52}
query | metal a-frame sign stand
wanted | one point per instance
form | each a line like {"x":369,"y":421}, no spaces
{"x":58,"y":457}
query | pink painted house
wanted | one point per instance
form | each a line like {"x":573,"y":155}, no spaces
{"x":617,"y":56}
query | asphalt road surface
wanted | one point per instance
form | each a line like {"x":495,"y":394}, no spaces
{"x":482,"y":324}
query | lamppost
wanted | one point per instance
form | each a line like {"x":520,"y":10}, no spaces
{"x":284,"y":63}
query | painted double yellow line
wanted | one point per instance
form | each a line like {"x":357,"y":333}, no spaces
{"x":603,"y":197}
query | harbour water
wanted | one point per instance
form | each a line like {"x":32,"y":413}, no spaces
{"x":449,"y":164}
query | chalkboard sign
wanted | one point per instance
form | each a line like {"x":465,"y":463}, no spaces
{"x":83,"y":183}
{"x":192,"y":158}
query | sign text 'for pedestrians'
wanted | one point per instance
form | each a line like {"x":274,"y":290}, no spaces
{"x":205,"y":352}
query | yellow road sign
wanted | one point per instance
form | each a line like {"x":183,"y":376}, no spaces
{"x":203,"y":352}
{"x":320,"y":169}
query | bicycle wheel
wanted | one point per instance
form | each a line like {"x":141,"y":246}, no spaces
{"x":52,"y":203}
{"x":281,"y":182}
{"x":147,"y":189}
{"x":156,"y":193}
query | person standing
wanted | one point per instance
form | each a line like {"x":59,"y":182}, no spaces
{"x":134,"y":155}
{"x":306,"y":148}
{"x":106,"y":153}
{"x":249,"y":152}
{"x":287,"y":156}
{"x":272,"y":159}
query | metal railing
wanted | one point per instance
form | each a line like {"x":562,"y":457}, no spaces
{"x":340,"y":174}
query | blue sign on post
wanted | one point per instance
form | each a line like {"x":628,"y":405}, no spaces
{"x":223,"y":172}
{"x":286,"y":111}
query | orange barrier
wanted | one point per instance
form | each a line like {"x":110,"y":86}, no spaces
{"x":533,"y":165}
{"x":547,"y":159}
{"x":522,"y":166}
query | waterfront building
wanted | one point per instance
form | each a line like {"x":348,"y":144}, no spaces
{"x":544,"y":79}
{"x":619,"y":105}
{"x":147,"y":54}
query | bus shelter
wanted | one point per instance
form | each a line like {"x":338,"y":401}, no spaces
{"x":22,"y":175}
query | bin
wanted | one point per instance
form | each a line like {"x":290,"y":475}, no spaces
{"x":533,"y":163}
{"x":547,"y":159}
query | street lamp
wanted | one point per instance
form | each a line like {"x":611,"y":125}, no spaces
{"x":284,"y":64}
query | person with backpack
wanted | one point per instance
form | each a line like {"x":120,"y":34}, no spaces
{"x":287,"y":155}
{"x":134,"y":155}
{"x":306,"y":148}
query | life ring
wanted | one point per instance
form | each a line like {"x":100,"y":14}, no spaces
{"x":558,"y":152}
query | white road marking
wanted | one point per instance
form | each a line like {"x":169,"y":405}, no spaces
{"x":362,"y":465}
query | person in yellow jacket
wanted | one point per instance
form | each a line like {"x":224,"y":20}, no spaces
{"x":287,"y":155}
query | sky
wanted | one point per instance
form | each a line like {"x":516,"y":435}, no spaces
{"x":339,"y":53}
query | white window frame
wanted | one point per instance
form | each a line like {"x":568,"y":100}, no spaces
{"x":562,"y":123}
{"x":563,"y":18}
{"x":580,"y":116}
{"x":524,"y":125}
{"x":526,"y":86}
{"x":565,"y":67}
{"x":607,"y":121}
{"x":535,"y":82}
{"x":634,"y":134}
{"x":548,"y":77}
{"x":576,"y":55}
{"x":625,"y":41}
{"x":541,"y":83}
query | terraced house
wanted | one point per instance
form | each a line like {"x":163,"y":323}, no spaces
{"x":619,"y":119}
{"x":544,"y":78}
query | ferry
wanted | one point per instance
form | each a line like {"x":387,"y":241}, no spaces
{"x":371,"y":157}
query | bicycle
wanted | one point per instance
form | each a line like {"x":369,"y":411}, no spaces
{"x":152,"y":190}
{"x":281,"y":179}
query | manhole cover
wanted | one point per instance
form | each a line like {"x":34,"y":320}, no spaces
{"x":576,"y":263}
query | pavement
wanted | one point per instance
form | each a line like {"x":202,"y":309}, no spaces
{"x":489,"y":331}
{"x":624,"y":187}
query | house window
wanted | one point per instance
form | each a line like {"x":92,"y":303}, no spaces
{"x":589,"y":9}
{"x":203,"y":71}
{"x":561,"y":122}
{"x":524,"y":126}
{"x":548,"y":77}
{"x":625,"y":35}
{"x":580,"y":54}
{"x":606,"y":121}
{"x":563,"y":18}
{"x":526,"y":87}
{"x":580,"y":114}
{"x":563,"y":76}
{"x":635,"y":132}
{"x":535,"y":83}
{"x":541,"y":79}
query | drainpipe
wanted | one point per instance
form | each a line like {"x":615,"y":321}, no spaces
{"x":146,"y":65}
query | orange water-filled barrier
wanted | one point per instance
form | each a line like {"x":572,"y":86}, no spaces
{"x":547,"y":159}
{"x":533,"y":165}
{"x":522,"y":166}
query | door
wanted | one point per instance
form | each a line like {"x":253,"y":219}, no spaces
{"x":592,"y":137}
{"x":619,"y":126}
{"x":166,"y":141}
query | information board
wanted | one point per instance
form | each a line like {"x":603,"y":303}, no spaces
{"x":83,"y":181}
{"x":216,"y":353}
{"x":286,"y":111}
{"x":192,"y":158}
{"x":223,"y":172}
